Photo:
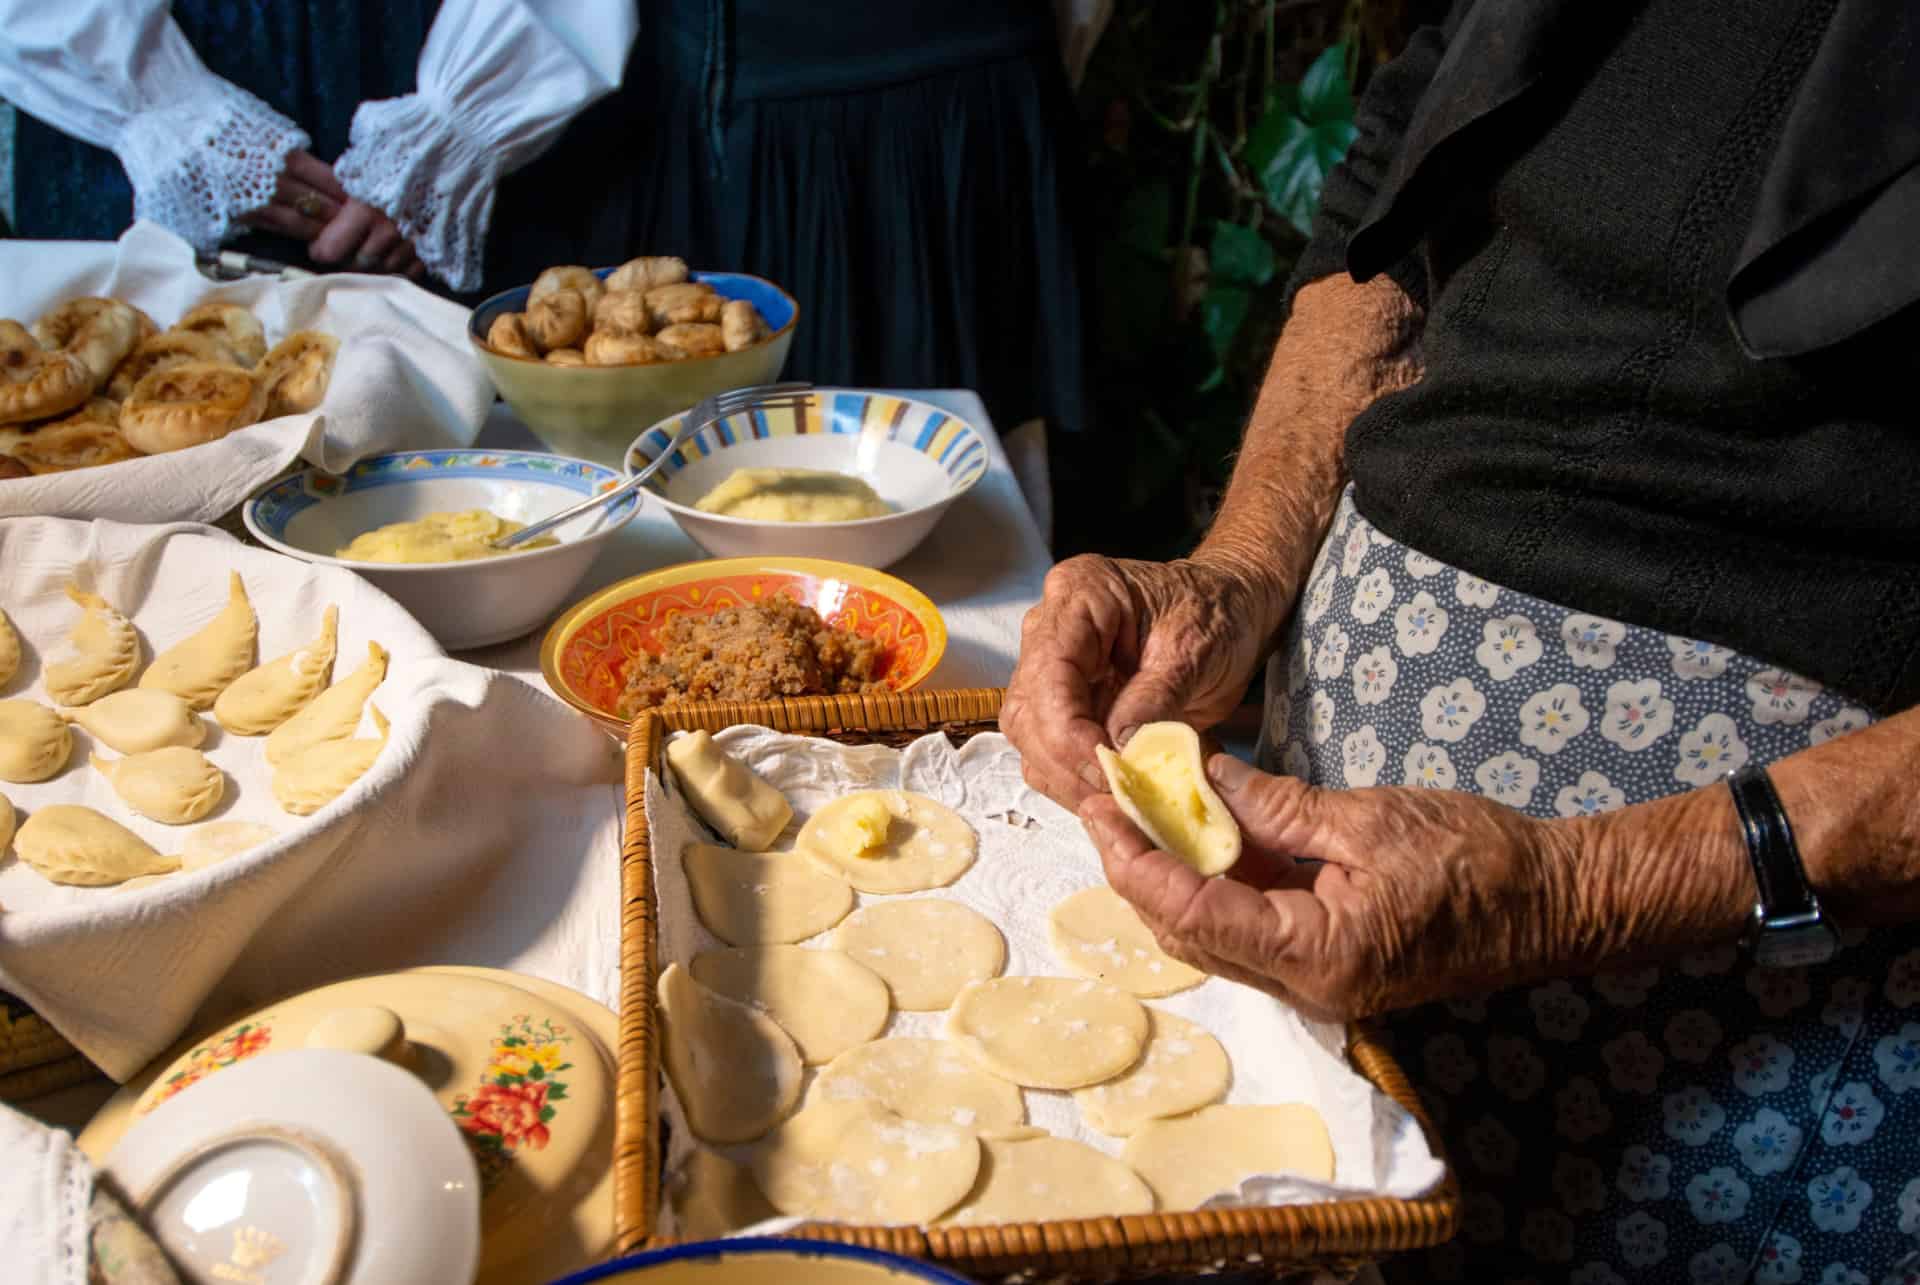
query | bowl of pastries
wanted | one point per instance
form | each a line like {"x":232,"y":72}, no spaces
{"x":96,"y":381}
{"x":587,"y":357}
{"x":852,"y":475}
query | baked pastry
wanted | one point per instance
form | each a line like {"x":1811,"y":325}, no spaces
{"x":569,"y":277}
{"x":740,"y":325}
{"x":296,"y":372}
{"x":12,"y":469}
{"x":623,"y":312}
{"x":229,"y":324}
{"x":566,"y":357}
{"x":605,"y":348}
{"x":693,"y":339}
{"x":686,"y":302}
{"x":508,"y":336}
{"x":100,"y":332}
{"x":35,"y":383}
{"x":648,"y":271}
{"x":161,"y":351}
{"x":188,"y":404}
{"x":557,"y":320}
{"x":86,"y":438}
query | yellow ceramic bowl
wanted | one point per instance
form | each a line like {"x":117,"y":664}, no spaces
{"x":759,"y":1260}
{"x":587,"y":650}
{"x":594,"y":411}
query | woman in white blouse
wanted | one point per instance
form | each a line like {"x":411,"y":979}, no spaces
{"x":413,"y":173}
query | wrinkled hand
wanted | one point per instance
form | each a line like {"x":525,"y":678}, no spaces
{"x":1350,"y":903}
{"x":305,"y":196}
{"x":1115,"y":644}
{"x":366,"y":237}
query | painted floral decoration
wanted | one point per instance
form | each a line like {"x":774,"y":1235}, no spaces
{"x":511,"y":1109}
{"x":236,"y":1045}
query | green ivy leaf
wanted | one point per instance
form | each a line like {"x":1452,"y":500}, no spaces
{"x":1325,"y":94}
{"x":1301,"y":135}
{"x":1240,"y":255}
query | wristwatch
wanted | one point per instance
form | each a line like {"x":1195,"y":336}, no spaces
{"x":1789,"y":930}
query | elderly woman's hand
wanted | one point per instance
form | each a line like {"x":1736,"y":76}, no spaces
{"x":1350,"y":903}
{"x":1115,"y":644}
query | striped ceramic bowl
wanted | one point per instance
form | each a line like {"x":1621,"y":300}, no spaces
{"x":918,"y":457}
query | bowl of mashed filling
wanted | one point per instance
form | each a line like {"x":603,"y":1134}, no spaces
{"x":851,"y":475}
{"x":420,"y":525}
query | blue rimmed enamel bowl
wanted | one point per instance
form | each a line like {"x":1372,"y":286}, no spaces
{"x":463,"y":604}
{"x":916,"y":456}
{"x":765,"y":1260}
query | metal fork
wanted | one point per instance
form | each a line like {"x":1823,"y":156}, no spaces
{"x":710,"y":410}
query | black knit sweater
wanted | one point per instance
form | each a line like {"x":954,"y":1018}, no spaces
{"x":1575,"y":189}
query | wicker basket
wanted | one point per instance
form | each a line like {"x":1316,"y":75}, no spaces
{"x":1338,"y":1237}
{"x":35,"y":1058}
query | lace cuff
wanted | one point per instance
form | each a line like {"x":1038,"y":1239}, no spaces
{"x":199,"y":162}
{"x":431,"y":180}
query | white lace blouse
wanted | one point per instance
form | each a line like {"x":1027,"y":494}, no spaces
{"x":498,"y":80}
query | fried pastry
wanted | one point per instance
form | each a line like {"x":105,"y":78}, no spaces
{"x":100,"y":332}
{"x":687,"y":302}
{"x":87,"y":438}
{"x":695,"y":340}
{"x":102,"y":652}
{"x":557,"y":319}
{"x":605,"y":349}
{"x":162,"y":351}
{"x":188,"y":404}
{"x":740,"y":325}
{"x":35,"y":383}
{"x":647,"y":272}
{"x":260,"y":701}
{"x":296,"y":372}
{"x":508,"y":336}
{"x":566,"y":357}
{"x":199,"y":667}
{"x":229,"y":324}
{"x":569,"y":277}
{"x":623,"y":312}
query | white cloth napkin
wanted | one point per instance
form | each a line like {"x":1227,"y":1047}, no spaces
{"x":405,"y":375}
{"x":421,"y":861}
{"x":45,"y":1186}
{"x":1033,"y":854}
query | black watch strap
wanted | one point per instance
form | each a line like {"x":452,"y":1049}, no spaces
{"x":1789,"y":928}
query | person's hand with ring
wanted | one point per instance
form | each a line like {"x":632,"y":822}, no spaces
{"x":305,"y":197}
{"x":367,"y":239}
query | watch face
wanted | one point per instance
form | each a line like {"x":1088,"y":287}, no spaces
{"x":1795,"y":946}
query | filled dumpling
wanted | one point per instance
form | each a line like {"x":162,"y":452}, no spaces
{"x":9,"y":650}
{"x":34,"y":742}
{"x":139,"y":720}
{"x":197,"y":669}
{"x":174,"y":786}
{"x":102,"y":652}
{"x":334,"y":714}
{"x":76,"y":845}
{"x":260,"y":701}
{"x":308,"y":780}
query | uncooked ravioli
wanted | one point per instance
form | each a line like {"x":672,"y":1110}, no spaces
{"x":259,"y":701}
{"x":855,"y":1161}
{"x":822,"y":998}
{"x":100,"y":656}
{"x":925,"y":950}
{"x":1040,"y":1179}
{"x":175,"y":785}
{"x":757,"y":898}
{"x":931,"y":1081}
{"x":1182,"y":1070}
{"x":734,"y":1070}
{"x":201,"y":666}
{"x":927,"y":845}
{"x":334,"y":714}
{"x":35,"y":742}
{"x":7,"y":820}
{"x":9,"y":650}
{"x":1097,"y":934}
{"x":1049,"y":1032}
{"x":308,"y":780}
{"x":1192,"y":1158}
{"x":75,"y":845}
{"x":139,"y":720}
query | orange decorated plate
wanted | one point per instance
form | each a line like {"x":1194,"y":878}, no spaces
{"x":587,"y":651}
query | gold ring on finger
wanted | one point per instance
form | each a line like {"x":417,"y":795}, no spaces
{"x":309,"y":204}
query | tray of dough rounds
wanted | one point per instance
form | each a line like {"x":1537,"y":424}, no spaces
{"x":915,"y":1019}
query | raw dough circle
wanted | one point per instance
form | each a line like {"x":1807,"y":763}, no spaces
{"x":1192,"y":1158}
{"x":855,"y":1161}
{"x":925,"y":950}
{"x":931,"y":1081}
{"x":755,"y":898}
{"x":929,"y":845}
{"x":734,"y":1070}
{"x":1049,"y":1032}
{"x":34,"y":743}
{"x":825,"y":1000}
{"x":1183,"y":1069}
{"x":1097,"y":934}
{"x":1040,"y":1179}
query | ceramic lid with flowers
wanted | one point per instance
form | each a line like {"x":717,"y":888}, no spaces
{"x":525,"y":1068}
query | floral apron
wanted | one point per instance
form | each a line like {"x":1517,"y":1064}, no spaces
{"x":1705,"y":1122}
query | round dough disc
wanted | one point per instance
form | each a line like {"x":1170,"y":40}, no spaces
{"x":1049,"y":1032}
{"x":1183,"y":1069}
{"x":1097,"y":934}
{"x":822,"y":998}
{"x":929,"y":845}
{"x":1192,"y":1158}
{"x":1039,"y":1179}
{"x":858,"y":1162}
{"x":930,"y":1081}
{"x":925,"y":950}
{"x":753,"y":898}
{"x":734,"y":1070}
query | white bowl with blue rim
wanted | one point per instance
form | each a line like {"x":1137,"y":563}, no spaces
{"x":765,"y":1260}
{"x":918,"y":457}
{"x":312,"y":514}
{"x":594,"y":411}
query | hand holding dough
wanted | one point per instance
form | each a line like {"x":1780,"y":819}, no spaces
{"x":745,"y":810}
{"x":260,"y":701}
{"x":334,"y":714}
{"x":734,"y":1070}
{"x":139,"y":720}
{"x":199,"y":667}
{"x":174,"y":786}
{"x":35,"y":743}
{"x":1160,"y":782}
{"x":75,"y":845}
{"x":104,"y":648}
{"x":310,"y":779}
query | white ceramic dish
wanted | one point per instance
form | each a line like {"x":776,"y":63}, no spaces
{"x":916,"y":456}
{"x":463,"y":604}
{"x":309,"y":1167}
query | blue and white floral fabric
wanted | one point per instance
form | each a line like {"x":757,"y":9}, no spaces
{"x":1704,"y":1122}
